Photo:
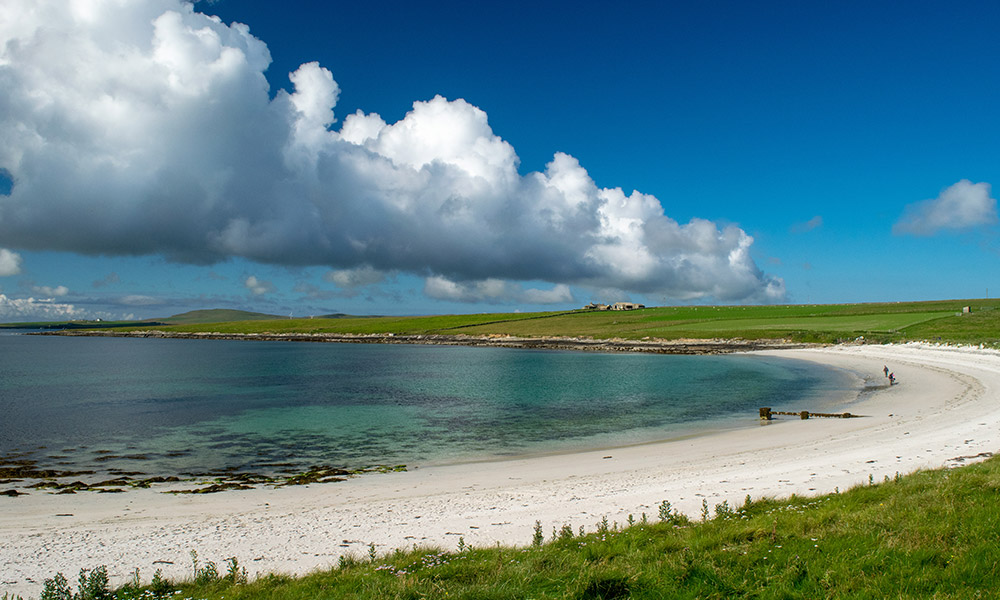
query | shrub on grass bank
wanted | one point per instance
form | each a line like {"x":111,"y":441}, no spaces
{"x":93,"y":586}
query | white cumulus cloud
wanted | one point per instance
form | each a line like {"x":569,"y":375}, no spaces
{"x":559,"y":294}
{"x":258,"y":287}
{"x":10,"y":263}
{"x":167,"y":140}
{"x":964,"y":205}
{"x":355,"y":278}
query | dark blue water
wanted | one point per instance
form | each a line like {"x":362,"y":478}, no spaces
{"x":181,"y":406}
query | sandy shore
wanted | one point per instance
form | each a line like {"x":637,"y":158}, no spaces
{"x":944,"y":412}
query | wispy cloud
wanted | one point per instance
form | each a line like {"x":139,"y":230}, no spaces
{"x":809,"y":225}
{"x":50,"y":291}
{"x":169,"y":141}
{"x":138,"y":300}
{"x":109,"y":279}
{"x":494,"y":291}
{"x":962,"y":206}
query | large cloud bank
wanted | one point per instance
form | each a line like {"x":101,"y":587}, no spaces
{"x":134,"y":127}
{"x":17,"y":309}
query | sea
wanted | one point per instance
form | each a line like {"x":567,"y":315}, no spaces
{"x":174,"y":406}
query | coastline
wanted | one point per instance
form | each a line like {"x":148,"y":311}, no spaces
{"x":578,"y":344}
{"x":942,"y":413}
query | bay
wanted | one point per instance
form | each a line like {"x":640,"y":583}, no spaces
{"x":164,"y":407}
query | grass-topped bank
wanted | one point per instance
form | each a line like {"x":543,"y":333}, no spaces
{"x":931,"y":534}
{"x":886,"y":322}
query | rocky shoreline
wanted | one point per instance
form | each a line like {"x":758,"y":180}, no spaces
{"x":683,"y":346}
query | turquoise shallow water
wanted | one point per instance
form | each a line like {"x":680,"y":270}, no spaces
{"x":195,"y":406}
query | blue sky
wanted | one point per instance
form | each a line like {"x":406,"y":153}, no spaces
{"x":505,"y":157}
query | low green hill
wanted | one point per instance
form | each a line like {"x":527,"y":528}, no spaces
{"x":217,"y":315}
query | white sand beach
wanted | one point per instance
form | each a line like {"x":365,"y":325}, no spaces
{"x":945,"y":411}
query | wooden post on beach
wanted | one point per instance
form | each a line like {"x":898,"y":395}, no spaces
{"x":765,"y":413}
{"x":804,"y":415}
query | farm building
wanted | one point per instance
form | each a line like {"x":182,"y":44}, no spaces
{"x":627,"y":306}
{"x":615,"y":306}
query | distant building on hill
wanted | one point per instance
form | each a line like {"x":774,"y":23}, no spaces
{"x":627,"y":306}
{"x":615,"y":306}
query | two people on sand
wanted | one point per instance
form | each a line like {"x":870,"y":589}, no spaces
{"x":891,"y":376}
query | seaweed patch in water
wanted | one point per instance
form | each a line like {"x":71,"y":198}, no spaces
{"x":27,"y":470}
{"x":122,"y":473}
{"x":136,"y":457}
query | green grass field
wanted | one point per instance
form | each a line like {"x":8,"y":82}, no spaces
{"x":886,"y":322}
{"x":830,"y":323}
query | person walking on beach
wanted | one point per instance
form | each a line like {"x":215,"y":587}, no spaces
{"x":892,"y":378}
{"x":885,"y":370}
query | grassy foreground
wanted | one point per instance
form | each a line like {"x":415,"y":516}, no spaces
{"x":886,"y":322}
{"x":931,"y":534}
